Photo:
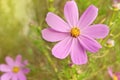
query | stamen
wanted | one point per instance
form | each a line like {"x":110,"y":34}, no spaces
{"x":16,"y":69}
{"x":75,"y":32}
{"x":115,"y":77}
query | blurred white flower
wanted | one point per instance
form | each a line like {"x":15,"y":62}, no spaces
{"x":110,"y":43}
{"x":116,"y":5}
{"x":79,"y":71}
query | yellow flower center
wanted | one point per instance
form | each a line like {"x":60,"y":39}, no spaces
{"x":16,"y":69}
{"x":115,"y":77}
{"x":75,"y":32}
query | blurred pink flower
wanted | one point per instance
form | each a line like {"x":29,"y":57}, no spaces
{"x":116,"y":1}
{"x":75,"y":35}
{"x":14,"y":70}
{"x":114,"y":76}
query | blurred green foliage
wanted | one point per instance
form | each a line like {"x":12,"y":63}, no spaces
{"x":21,"y":22}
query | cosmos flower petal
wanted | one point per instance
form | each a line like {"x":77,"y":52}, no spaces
{"x":56,"y":23}
{"x":52,"y":35}
{"x":88,"y":16}
{"x":26,"y":70}
{"x":18,"y":60}
{"x":21,"y":76}
{"x":25,"y":62}
{"x":97,"y":31}
{"x":6,"y":76}
{"x":61,"y":50}
{"x":71,"y":13}
{"x":5,"y":68}
{"x":117,"y":74}
{"x":110,"y":72}
{"x":9,"y":61}
{"x":89,"y":43}
{"x":15,"y":78}
{"x":78,"y":54}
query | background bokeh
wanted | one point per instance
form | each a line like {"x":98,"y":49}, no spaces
{"x":21,"y":22}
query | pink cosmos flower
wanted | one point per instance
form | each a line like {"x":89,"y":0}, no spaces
{"x":14,"y":70}
{"x":75,"y":35}
{"x":114,"y":76}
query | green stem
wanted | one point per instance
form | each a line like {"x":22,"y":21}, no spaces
{"x":116,"y":36}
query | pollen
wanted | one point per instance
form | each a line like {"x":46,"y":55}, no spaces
{"x":15,"y":69}
{"x":115,"y":77}
{"x":75,"y":32}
